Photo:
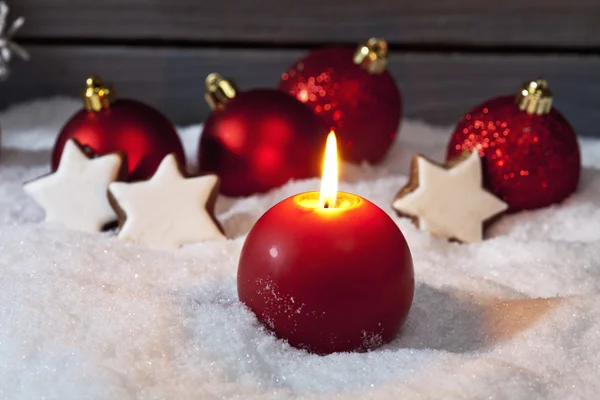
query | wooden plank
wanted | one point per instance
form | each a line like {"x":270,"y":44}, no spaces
{"x":436,"y":88}
{"x":509,"y":22}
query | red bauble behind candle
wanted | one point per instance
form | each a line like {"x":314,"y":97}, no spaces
{"x":137,"y":130}
{"x":259,"y":139}
{"x":531,"y":153}
{"x":351,"y":90}
{"x":327,"y":278}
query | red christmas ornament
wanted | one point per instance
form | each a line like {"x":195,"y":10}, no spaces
{"x":353,"y":93}
{"x":327,"y":279}
{"x":258,"y":139}
{"x":531,"y":154}
{"x":143,"y":134}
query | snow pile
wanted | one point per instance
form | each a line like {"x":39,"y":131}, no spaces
{"x":86,"y":316}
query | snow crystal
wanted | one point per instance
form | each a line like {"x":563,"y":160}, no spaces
{"x":86,"y":316}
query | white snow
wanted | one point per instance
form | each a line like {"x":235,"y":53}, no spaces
{"x":84,"y":316}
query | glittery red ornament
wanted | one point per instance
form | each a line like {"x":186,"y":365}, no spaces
{"x":531,"y":154}
{"x":353,"y":93}
{"x":258,"y":139}
{"x":137,"y":130}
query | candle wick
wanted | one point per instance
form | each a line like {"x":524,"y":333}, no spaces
{"x":326,"y":204}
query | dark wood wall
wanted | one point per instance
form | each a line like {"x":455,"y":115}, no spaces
{"x":446,"y":55}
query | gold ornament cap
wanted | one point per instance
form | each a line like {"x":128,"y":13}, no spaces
{"x":372,"y":55}
{"x":97,"y":96}
{"x":535,"y":98}
{"x":219,"y":91}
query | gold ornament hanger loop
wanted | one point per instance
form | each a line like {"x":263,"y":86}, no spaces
{"x":97,"y":96}
{"x":372,"y":55}
{"x":219,"y":91}
{"x":535,"y":98}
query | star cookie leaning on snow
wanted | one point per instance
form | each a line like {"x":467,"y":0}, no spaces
{"x":75,"y":195}
{"x":448,"y":201}
{"x":168,"y":210}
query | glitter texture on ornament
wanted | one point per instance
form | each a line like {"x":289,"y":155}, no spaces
{"x":362,"y":106}
{"x":530,"y":160}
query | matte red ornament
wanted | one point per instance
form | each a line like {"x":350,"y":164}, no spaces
{"x":137,"y":130}
{"x":353,"y":93}
{"x":530,"y":151}
{"x":258,"y":139}
{"x":327,"y":279}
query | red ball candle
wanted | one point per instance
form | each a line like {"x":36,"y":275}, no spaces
{"x":328,"y":271}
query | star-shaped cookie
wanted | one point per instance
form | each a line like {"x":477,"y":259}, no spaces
{"x":448,"y":201}
{"x":75,"y":195}
{"x":168,"y":210}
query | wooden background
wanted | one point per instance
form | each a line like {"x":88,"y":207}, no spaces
{"x":446,"y":56}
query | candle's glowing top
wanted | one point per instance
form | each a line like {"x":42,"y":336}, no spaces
{"x":311,"y":201}
{"x":329,"y":181}
{"x":329,"y":201}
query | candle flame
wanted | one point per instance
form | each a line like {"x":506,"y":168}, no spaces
{"x":329,"y":181}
